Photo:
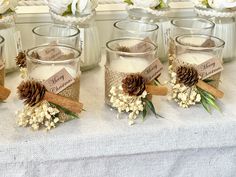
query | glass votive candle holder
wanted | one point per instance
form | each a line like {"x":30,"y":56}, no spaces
{"x":137,"y":29}
{"x":188,"y":52}
{"x":56,"y":34}
{"x":2,"y":62}
{"x":188,"y":26}
{"x":41,"y":67}
{"x":126,"y":56}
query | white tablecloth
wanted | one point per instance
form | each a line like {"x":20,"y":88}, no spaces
{"x":187,"y":143}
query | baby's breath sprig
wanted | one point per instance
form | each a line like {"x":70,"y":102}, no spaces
{"x":189,"y":95}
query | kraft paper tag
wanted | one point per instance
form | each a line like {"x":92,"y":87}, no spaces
{"x":18,"y":41}
{"x":153,"y":70}
{"x":141,"y":47}
{"x":210,"y":68}
{"x":50,"y":53}
{"x":58,"y":82}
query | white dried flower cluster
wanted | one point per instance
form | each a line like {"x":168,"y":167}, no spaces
{"x":6,"y":5}
{"x":23,"y":73}
{"x":38,"y":116}
{"x":126,"y":103}
{"x":184,"y":96}
{"x":82,"y":7}
{"x":216,"y":4}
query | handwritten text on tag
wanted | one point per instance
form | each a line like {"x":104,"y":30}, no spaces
{"x":210,"y":68}
{"x":153,"y":70}
{"x":58,"y":82}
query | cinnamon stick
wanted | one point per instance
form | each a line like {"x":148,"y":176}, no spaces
{"x":156,"y":90}
{"x":67,"y":103}
{"x":4,"y":93}
{"x":212,"y":90}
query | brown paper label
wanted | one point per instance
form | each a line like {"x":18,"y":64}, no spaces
{"x":50,"y":53}
{"x":210,"y":68}
{"x":142,"y":46}
{"x":59,"y":81}
{"x":153,"y":70}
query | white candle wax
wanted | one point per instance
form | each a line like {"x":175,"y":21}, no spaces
{"x":43,"y":72}
{"x":194,"y":41}
{"x":129,"y":64}
{"x":194,"y":57}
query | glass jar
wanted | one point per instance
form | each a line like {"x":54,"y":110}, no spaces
{"x":188,"y":26}
{"x":188,"y":52}
{"x":89,"y":38}
{"x":135,"y":28}
{"x":8,"y":31}
{"x":164,"y":28}
{"x":225,"y":27}
{"x":2,"y":62}
{"x":121,"y":63}
{"x":56,"y":34}
{"x":42,"y":66}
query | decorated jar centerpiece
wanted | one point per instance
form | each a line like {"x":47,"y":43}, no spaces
{"x":188,"y":26}
{"x":131,"y":74}
{"x":51,"y":91}
{"x":222,"y":13}
{"x":4,"y":92}
{"x":195,"y":73}
{"x":8,"y":31}
{"x":82,"y":14}
{"x":154,"y":11}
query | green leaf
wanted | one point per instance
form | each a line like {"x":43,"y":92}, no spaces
{"x":68,"y":10}
{"x":207,"y":94}
{"x":144,"y":113}
{"x":206,"y":105}
{"x":66,"y":111}
{"x":150,"y":105}
{"x":205,"y":3}
{"x":129,"y":2}
{"x":208,"y":80}
{"x":157,"y":82}
{"x":208,"y":100}
{"x":161,"y":5}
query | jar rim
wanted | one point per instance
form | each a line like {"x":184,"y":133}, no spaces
{"x":2,"y":39}
{"x":116,"y":25}
{"x":76,"y":57}
{"x":220,"y":45}
{"x":211,"y":24}
{"x":128,"y":53}
{"x":56,"y":25}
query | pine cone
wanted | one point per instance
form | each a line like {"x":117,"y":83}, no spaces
{"x":187,"y":75}
{"x":31,"y":91}
{"x":133,"y":84}
{"x":123,"y":49}
{"x":21,"y":60}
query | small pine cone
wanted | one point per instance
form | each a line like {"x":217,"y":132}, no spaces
{"x":31,"y":91}
{"x":187,"y":75}
{"x":21,"y":60}
{"x":123,"y":49}
{"x":133,"y":84}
